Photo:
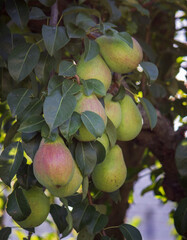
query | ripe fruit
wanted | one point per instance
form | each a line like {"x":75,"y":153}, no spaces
{"x":131,"y":123}
{"x":89,"y":103}
{"x":53,"y":164}
{"x":71,"y":187}
{"x":110,"y":175}
{"x":113,"y":110}
{"x":39,"y":205}
{"x":118,"y":55}
{"x":95,"y":68}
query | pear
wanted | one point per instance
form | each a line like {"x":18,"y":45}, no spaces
{"x":104,"y":141}
{"x":95,"y":68}
{"x":53,"y":164}
{"x":118,"y":55}
{"x":113,"y":110}
{"x":89,"y":103}
{"x":71,"y":187}
{"x":40,"y":206}
{"x":131,"y":123}
{"x":110,"y":175}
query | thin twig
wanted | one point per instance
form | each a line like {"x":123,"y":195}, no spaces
{"x":30,"y":235}
{"x":90,"y":198}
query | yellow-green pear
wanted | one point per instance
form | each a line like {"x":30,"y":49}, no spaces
{"x":53,"y":164}
{"x":40,"y":206}
{"x":113,"y":110}
{"x":89,"y":103}
{"x":131,"y":120}
{"x":104,"y":141}
{"x":71,"y":187}
{"x":95,"y":68}
{"x":110,"y":175}
{"x":118,"y":55}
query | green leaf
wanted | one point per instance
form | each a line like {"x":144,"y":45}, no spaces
{"x":84,"y":20}
{"x":150,"y":70}
{"x":75,"y":31}
{"x":36,"y":14}
{"x":100,"y":151}
{"x":91,"y":49}
{"x":22,"y":60}
{"x":70,"y":87}
{"x":67,"y":69}
{"x":180,"y":217}
{"x":87,"y":87}
{"x":55,"y":83}
{"x":99,"y":221}
{"x":10,"y":161}
{"x":93,"y":122}
{"x":78,"y":9}
{"x":130,"y":232}
{"x":71,"y":126}
{"x":181,"y":158}
{"x":150,"y":111}
{"x":86,"y":157}
{"x":125,"y":37}
{"x":85,"y":185}
{"x":115,"y":196}
{"x":18,"y":11}
{"x":32,"y":146}
{"x":58,"y":108}
{"x":47,"y":3}
{"x":85,"y":235}
{"x":69,"y":219}
{"x":157,"y":90}
{"x":82,"y":215}
{"x":120,"y":94}
{"x":32,"y":124}
{"x":54,"y":38}
{"x":111,"y":132}
{"x":5,"y":233}
{"x":17,"y":206}
{"x":93,"y":85}
{"x":18,"y":100}
{"x":44,"y":67}
{"x":12,"y":131}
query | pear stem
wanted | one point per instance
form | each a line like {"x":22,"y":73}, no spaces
{"x":89,"y":198}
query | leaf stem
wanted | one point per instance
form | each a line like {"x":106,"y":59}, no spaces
{"x":59,"y":20}
{"x":130,"y":91}
{"x":29,"y":235}
{"x":111,"y":227}
{"x":89,"y":198}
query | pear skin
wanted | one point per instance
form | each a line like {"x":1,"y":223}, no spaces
{"x":131,"y":123}
{"x":40,"y":207}
{"x":113,"y":110}
{"x":70,"y":188}
{"x":110,"y":175}
{"x":104,"y":141}
{"x":118,"y":55}
{"x":53,"y":164}
{"x":95,"y":68}
{"x":89,"y":103}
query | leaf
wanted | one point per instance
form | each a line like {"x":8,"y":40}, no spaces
{"x":91,"y":49}
{"x":17,"y":206}
{"x":58,"y":109}
{"x":10,"y":161}
{"x":70,"y":87}
{"x":32,"y":124}
{"x":150,"y":70}
{"x":125,"y":37}
{"x":99,"y":221}
{"x":181,"y":158}
{"x":130,"y":232}
{"x":36,"y":14}
{"x":115,"y":196}
{"x":22,"y":60}
{"x":93,"y":85}
{"x":85,"y":235}
{"x":32,"y":146}
{"x":12,"y":131}
{"x":86,"y":157}
{"x":100,"y":151}
{"x":82,"y":215}
{"x":84,"y":20}
{"x":55,"y":83}
{"x":93,"y":122}
{"x":111,"y":132}
{"x":18,"y":11}
{"x":85,"y":185}
{"x":75,"y":31}
{"x":78,"y":9}
{"x":5,"y":233}
{"x":69,"y":219}
{"x":120,"y":94}
{"x":18,"y":100}
{"x":87,"y":87}
{"x":150,"y":111}
{"x":67,"y":69}
{"x":47,"y":3}
{"x":54,"y":38}
{"x":180,"y":217}
{"x":71,"y":126}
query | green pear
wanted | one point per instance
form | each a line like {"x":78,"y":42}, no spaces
{"x":118,"y":55}
{"x":110,"y":175}
{"x":89,"y":103}
{"x":71,"y":187}
{"x":104,"y":141}
{"x":95,"y":68}
{"x":53,"y":164}
{"x":113,"y":110}
{"x":40,"y":206}
{"x":131,"y":123}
